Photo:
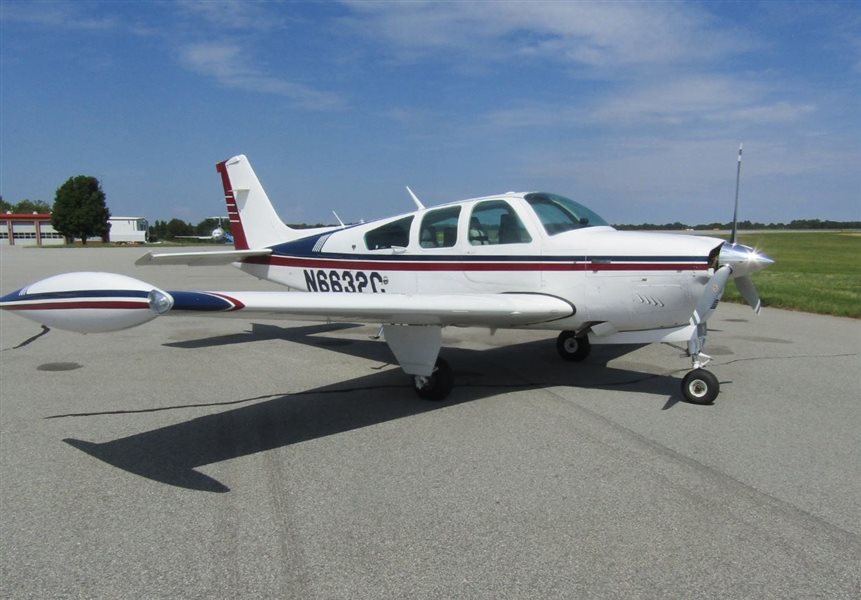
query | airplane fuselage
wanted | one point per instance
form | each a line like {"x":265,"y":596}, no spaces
{"x":634,"y":280}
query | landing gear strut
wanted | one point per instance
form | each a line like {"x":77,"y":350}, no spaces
{"x":573,"y":347}
{"x":437,"y":385}
{"x":700,"y":386}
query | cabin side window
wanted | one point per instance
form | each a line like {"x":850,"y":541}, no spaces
{"x":495,"y":222}
{"x":439,"y":228}
{"x":396,"y":233}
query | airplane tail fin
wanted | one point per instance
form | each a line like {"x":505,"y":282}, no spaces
{"x":253,"y":220}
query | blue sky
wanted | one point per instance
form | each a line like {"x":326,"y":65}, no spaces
{"x":635,"y":109}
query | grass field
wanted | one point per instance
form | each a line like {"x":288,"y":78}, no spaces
{"x":814,"y":272}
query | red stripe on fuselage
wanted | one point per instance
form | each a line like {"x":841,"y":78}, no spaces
{"x":358,"y":264}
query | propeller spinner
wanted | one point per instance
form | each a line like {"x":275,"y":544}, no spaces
{"x":744,"y":261}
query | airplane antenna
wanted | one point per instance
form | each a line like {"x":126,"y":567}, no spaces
{"x":735,"y":212}
{"x":415,"y":198}
{"x":340,"y":222}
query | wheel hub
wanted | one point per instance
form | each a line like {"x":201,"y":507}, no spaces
{"x":698,"y":388}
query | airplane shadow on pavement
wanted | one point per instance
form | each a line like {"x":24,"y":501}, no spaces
{"x":173,"y":453}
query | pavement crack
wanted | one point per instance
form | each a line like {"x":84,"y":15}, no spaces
{"x":799,"y":356}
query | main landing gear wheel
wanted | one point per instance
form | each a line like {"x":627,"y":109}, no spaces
{"x":438,"y":385}
{"x":700,"y":387}
{"x":573,"y":347}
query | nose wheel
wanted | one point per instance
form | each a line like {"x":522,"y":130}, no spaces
{"x":437,"y":385}
{"x":700,"y":387}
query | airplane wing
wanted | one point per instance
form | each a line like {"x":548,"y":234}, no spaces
{"x":491,"y":310}
{"x":199,"y":259}
{"x":100,"y":302}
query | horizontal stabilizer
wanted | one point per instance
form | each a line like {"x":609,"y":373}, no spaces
{"x":199,"y":259}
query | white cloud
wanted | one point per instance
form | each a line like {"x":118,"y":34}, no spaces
{"x":56,"y":15}
{"x":778,"y":112}
{"x":532,"y":116}
{"x":234,"y":14}
{"x":231,"y":66}
{"x":653,"y":167}
{"x":590,"y":34}
{"x":694,"y":100}
{"x":699,"y":98}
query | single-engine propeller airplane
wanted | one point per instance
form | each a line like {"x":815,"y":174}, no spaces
{"x":218,"y":234}
{"x":515,"y":260}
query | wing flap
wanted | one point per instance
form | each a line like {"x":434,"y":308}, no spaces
{"x":199,"y":259}
{"x":492,"y":310}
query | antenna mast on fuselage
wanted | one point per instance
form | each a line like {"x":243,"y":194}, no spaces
{"x":735,"y":211}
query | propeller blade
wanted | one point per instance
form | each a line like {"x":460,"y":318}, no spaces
{"x":711,"y":295}
{"x":748,"y":291}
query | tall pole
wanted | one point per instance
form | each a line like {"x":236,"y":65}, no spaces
{"x":735,"y":211}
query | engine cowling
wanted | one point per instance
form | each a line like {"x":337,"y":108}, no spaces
{"x":88,"y":302}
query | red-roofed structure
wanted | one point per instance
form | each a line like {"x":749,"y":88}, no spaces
{"x":28,"y":229}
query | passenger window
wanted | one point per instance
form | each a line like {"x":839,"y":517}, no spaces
{"x":396,"y":233}
{"x":439,"y":228}
{"x":495,"y":222}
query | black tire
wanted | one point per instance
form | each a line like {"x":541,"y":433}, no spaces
{"x":700,"y":387}
{"x":570,"y":346}
{"x":438,"y":386}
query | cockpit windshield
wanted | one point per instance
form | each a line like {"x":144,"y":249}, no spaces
{"x":559,"y":214}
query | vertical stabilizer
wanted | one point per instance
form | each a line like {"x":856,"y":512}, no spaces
{"x":253,"y":220}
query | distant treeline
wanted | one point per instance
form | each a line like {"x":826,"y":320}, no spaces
{"x":161,"y":230}
{"x":796,"y":224}
{"x":167,"y":230}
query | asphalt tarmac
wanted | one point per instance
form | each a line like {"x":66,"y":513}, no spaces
{"x":199,"y":458}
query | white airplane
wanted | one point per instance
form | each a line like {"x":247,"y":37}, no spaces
{"x":513,"y":260}
{"x":218,"y":234}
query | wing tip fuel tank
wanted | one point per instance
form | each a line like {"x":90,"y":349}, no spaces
{"x":88,"y":302}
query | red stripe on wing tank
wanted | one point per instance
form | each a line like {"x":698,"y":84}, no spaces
{"x":77,"y":304}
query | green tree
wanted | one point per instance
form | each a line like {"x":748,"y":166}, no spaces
{"x":178,"y":227}
{"x":30,"y":206}
{"x":158,"y":231}
{"x":5,"y":206}
{"x":80,"y":210}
